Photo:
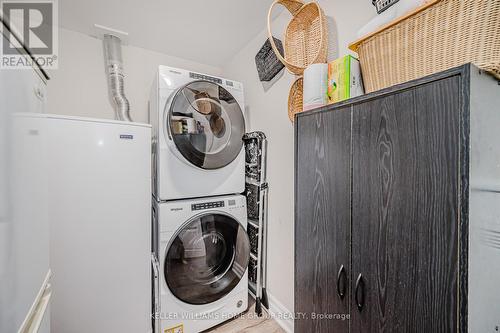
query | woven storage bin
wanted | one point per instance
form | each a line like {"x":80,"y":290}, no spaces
{"x":306,"y":36}
{"x":437,"y":37}
{"x":268,"y":65}
{"x":295,"y":101}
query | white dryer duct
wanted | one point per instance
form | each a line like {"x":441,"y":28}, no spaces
{"x":116,"y":78}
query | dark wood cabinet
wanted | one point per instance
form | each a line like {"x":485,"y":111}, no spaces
{"x":383,"y":189}
{"x":323,"y":183}
{"x":405,"y":204}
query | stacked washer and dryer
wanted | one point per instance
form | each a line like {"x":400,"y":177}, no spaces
{"x":199,"y":216}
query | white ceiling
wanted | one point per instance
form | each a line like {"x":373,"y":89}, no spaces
{"x":206,"y":31}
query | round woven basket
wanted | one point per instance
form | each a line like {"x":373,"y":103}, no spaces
{"x":306,"y":36}
{"x":295,"y":102}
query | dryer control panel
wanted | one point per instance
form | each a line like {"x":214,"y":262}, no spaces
{"x":222,"y":82}
{"x":205,"y":77}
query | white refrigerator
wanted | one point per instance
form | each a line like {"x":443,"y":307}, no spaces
{"x":100,"y":225}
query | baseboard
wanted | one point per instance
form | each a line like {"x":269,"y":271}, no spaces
{"x":280,"y":314}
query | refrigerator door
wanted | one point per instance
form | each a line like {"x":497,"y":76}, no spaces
{"x":100,"y":211}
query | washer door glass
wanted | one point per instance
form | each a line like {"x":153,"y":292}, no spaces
{"x":206,"y":259}
{"x":206,"y":124}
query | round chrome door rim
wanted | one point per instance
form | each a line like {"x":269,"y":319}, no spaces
{"x":236,"y":128}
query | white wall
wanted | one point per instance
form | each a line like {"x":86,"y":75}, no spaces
{"x":268,"y":112}
{"x":79,"y":88}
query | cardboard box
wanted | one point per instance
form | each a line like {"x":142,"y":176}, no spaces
{"x":344,"y":79}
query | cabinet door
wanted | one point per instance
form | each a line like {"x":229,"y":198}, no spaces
{"x":322,"y":221}
{"x":405,"y":211}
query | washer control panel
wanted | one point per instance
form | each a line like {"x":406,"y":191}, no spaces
{"x":207,"y":205}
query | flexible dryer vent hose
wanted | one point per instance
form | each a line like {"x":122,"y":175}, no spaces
{"x":116,"y":78}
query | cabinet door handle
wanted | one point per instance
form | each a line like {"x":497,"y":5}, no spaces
{"x":341,"y":277}
{"x":360,"y":289}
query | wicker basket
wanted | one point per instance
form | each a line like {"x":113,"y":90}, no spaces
{"x":436,"y":37}
{"x":295,"y":102}
{"x":306,"y":37}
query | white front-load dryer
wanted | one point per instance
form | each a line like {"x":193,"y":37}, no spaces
{"x":204,"y":252}
{"x":198,"y":127}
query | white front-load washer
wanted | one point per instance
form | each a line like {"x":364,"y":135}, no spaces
{"x":204,"y":252}
{"x":198,"y":126}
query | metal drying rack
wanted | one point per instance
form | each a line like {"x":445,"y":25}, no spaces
{"x":256,"y":190}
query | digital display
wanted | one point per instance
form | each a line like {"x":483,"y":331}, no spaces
{"x":205,"y":77}
{"x":207,"y":205}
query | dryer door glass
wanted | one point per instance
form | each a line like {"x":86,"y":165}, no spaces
{"x":206,"y":124}
{"x":206,"y":259}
